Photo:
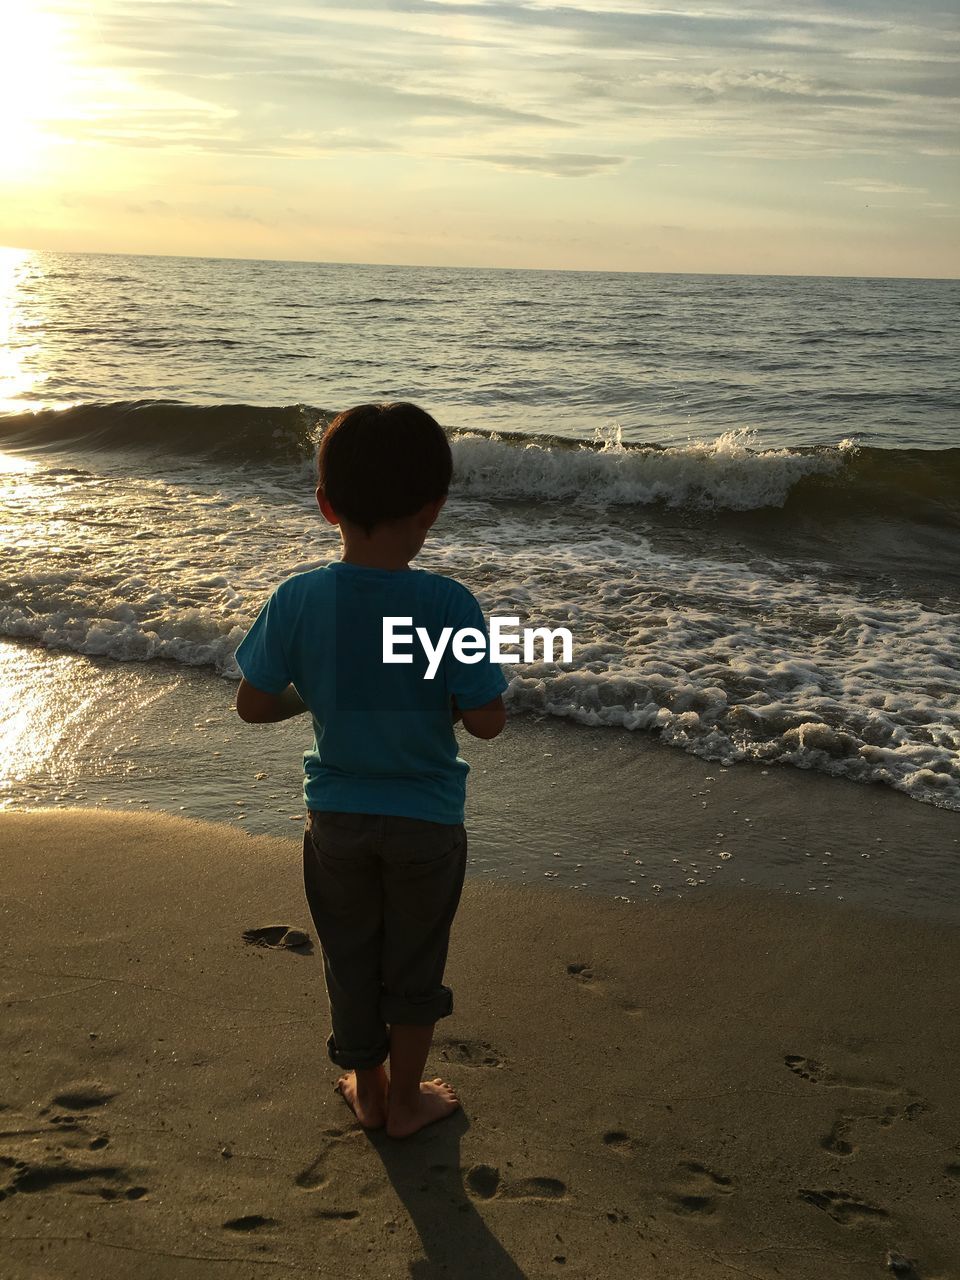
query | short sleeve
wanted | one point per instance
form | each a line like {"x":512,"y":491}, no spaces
{"x":473,"y":684}
{"x":261,"y":654}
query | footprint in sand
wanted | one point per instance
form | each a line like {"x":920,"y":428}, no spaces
{"x":279,"y":937}
{"x":840,"y":1140}
{"x":469,"y":1053}
{"x":837,"y":1141}
{"x":841,"y":1206}
{"x":620,"y":1141}
{"x":814,"y":1071}
{"x":315,"y":1177}
{"x":68,"y":1128}
{"x":56,"y":1173}
{"x":67,"y":1163}
{"x":250,"y":1222}
{"x":80,"y":1097}
{"x":698,"y":1188}
{"x":65,"y":1122}
{"x":582,"y":973}
{"x":131,"y":1193}
{"x":633,"y":1010}
{"x":483,"y":1181}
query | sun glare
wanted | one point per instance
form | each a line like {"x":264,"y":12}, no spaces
{"x":16,"y":378}
{"x":34,"y":84}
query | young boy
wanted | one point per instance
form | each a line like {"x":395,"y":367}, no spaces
{"x":384,"y":849}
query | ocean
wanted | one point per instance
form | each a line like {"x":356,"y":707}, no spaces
{"x":740,"y":494}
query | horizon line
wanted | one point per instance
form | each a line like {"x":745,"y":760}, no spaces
{"x":433,"y":266}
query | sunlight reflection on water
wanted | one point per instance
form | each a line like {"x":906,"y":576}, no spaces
{"x":29,"y":721}
{"x":17,"y":378}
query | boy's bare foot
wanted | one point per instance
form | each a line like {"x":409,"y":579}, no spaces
{"x":436,"y":1101}
{"x":366,"y":1096}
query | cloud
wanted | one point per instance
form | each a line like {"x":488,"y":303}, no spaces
{"x":186,"y":210}
{"x":875,"y":186}
{"x":557,"y":164}
{"x":751,"y":110}
{"x":394,"y":102}
{"x":841,"y":75}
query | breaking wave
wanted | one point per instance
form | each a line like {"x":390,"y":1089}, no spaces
{"x":730,"y":473}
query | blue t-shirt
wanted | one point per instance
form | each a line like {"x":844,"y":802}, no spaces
{"x":383,"y":734}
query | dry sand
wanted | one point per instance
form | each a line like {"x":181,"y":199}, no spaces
{"x":733,"y":1086}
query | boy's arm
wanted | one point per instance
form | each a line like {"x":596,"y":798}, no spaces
{"x":483,"y":722}
{"x":471,"y":682}
{"x":257,"y":707}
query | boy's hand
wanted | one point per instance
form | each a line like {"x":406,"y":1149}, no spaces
{"x":485,"y":721}
{"x":257,"y":707}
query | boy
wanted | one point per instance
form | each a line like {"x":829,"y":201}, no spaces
{"x":384,"y":849}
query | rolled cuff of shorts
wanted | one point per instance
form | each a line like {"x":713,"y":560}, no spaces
{"x":357,"y":1059}
{"x":417,"y":1011}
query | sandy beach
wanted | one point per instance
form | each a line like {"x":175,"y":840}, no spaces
{"x":729,"y":1084}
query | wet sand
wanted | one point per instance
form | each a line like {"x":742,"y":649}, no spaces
{"x":600,"y":811}
{"x":732,"y":1083}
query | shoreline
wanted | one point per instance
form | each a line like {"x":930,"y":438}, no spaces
{"x":597,"y":811}
{"x":600,"y":811}
{"x":738,"y":1082}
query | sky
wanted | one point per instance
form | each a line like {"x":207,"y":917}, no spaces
{"x":792,"y":138}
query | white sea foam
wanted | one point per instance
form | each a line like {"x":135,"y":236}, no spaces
{"x":722,"y":657}
{"x":729,"y":472}
{"x":136,"y":572}
{"x":735,"y":661}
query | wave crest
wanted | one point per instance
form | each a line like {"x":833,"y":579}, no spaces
{"x":731,"y":473}
{"x":723,"y":474}
{"x":227,"y":432}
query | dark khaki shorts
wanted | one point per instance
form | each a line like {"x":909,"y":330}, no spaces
{"x":383,"y":892}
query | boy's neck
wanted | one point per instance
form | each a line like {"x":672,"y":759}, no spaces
{"x":388,"y":547}
{"x":367,"y":561}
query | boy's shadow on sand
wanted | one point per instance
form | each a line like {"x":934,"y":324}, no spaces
{"x":426,"y":1175}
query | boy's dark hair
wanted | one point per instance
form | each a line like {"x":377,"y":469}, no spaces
{"x":380,"y":462}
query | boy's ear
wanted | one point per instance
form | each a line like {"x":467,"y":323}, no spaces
{"x":329,"y":514}
{"x":428,"y":513}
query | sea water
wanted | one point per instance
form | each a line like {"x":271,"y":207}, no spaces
{"x":740,"y":494}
